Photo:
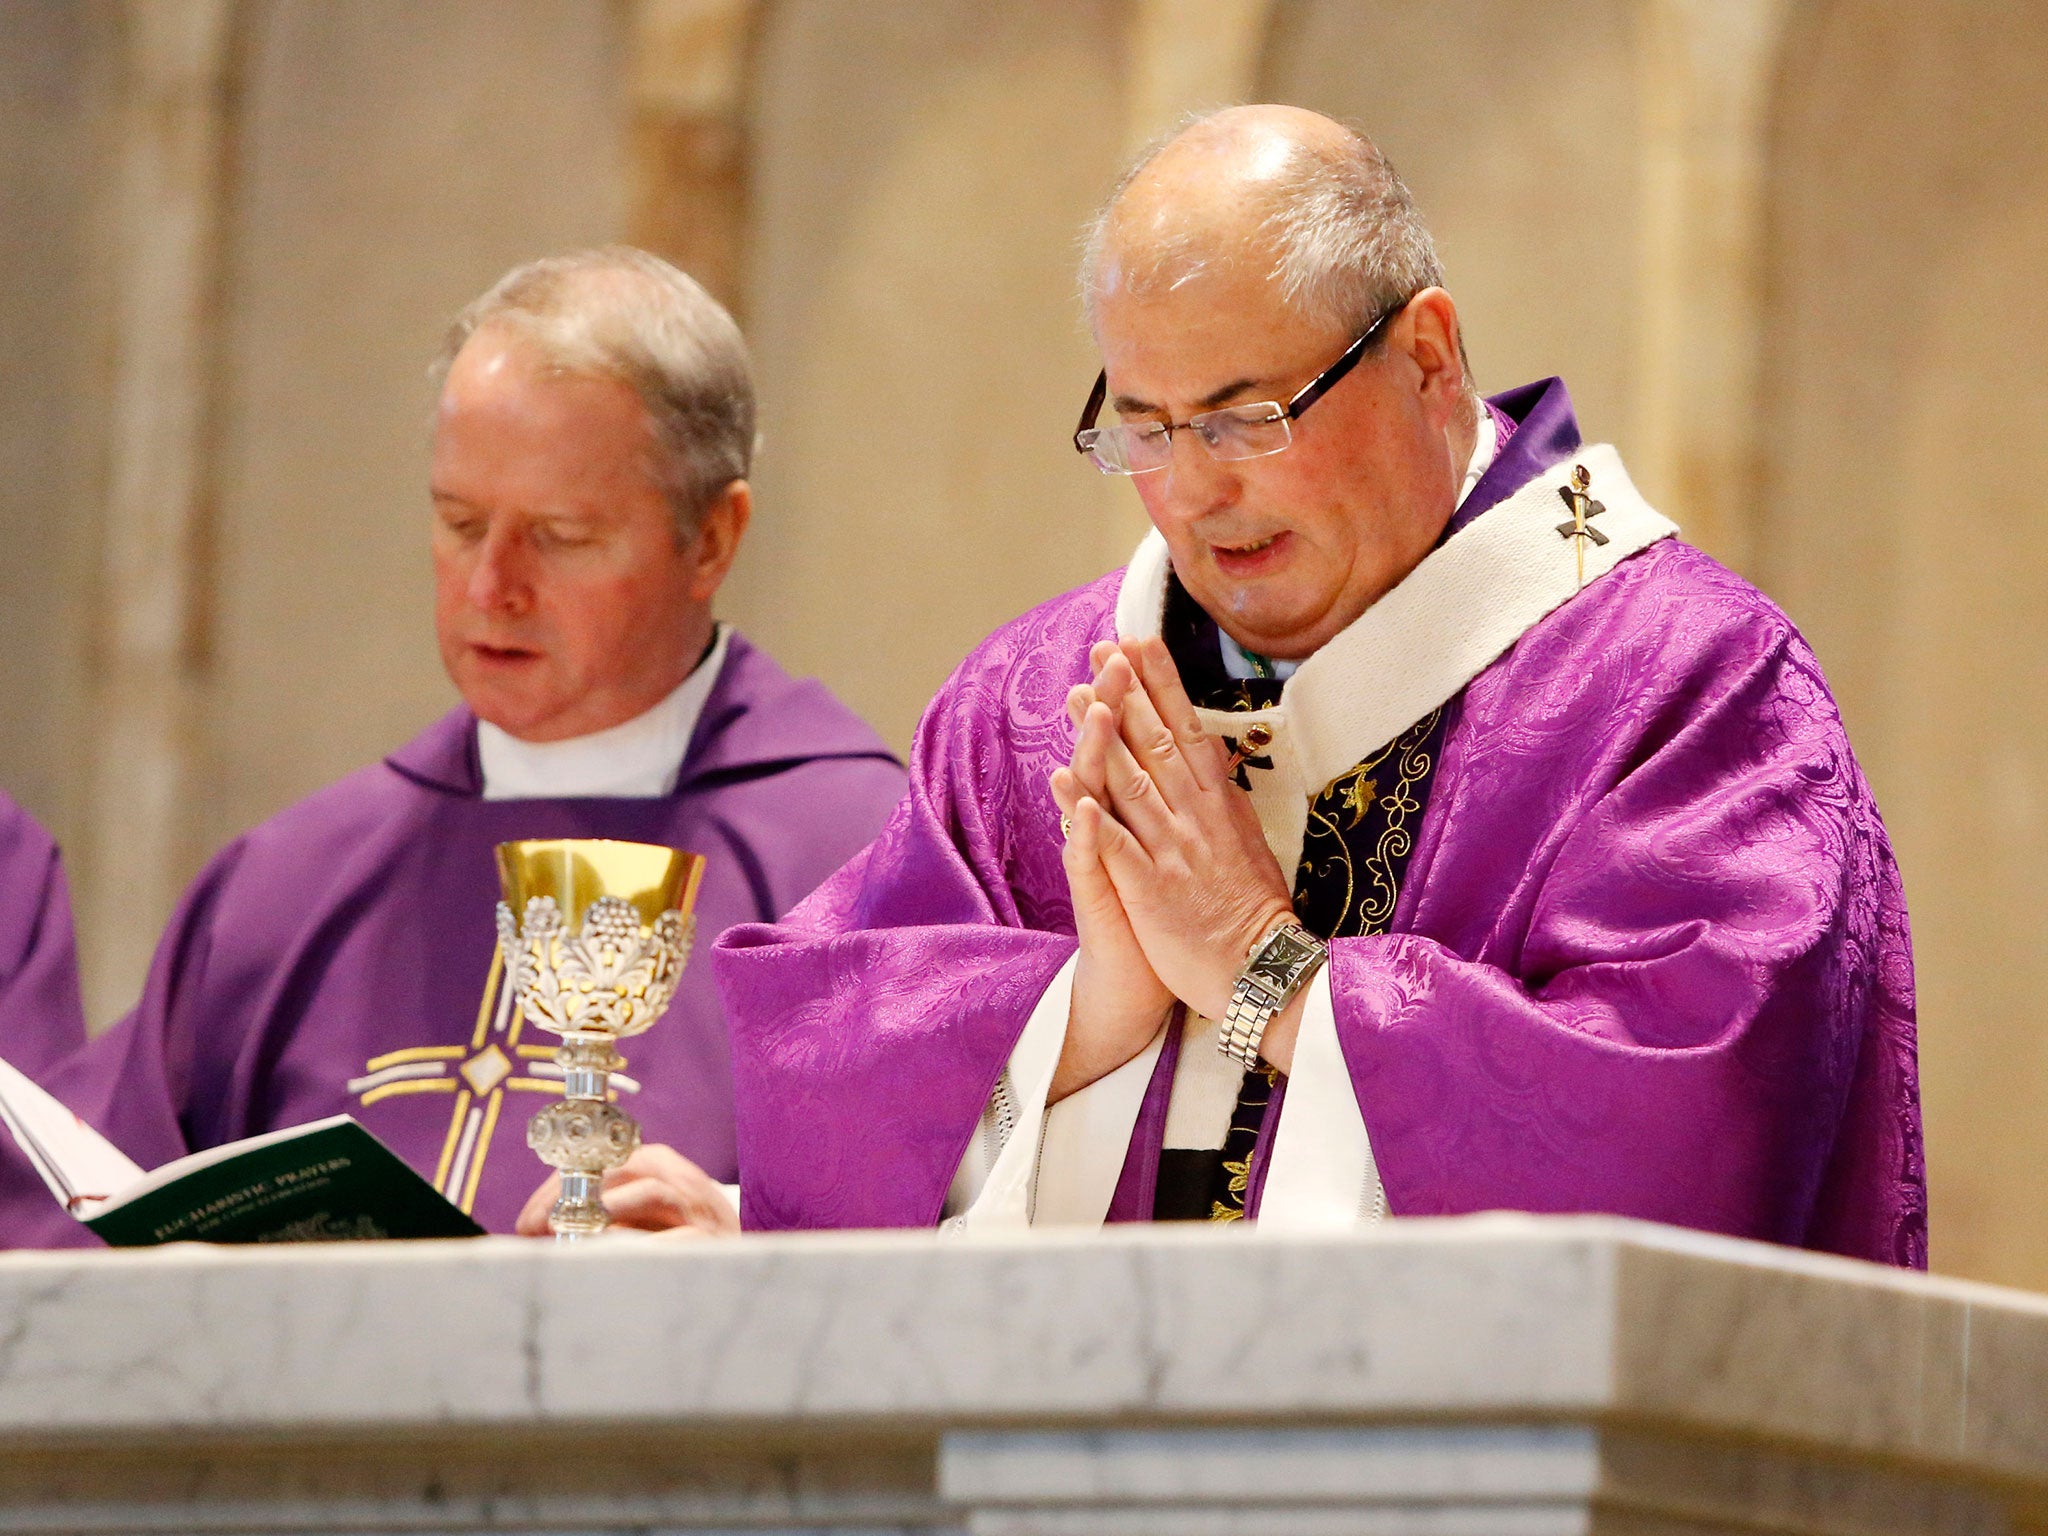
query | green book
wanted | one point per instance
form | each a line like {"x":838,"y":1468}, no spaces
{"x":330,"y":1181}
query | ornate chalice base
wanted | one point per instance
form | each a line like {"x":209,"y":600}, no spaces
{"x":583,"y":1134}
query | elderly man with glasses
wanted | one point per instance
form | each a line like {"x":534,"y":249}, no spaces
{"x":1414,"y":827}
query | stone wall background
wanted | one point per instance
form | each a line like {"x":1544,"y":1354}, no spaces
{"x":1789,"y":253}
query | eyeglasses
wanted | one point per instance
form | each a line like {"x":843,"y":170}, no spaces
{"x":1234,"y":432}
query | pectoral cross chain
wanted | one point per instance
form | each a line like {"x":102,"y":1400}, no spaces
{"x":1584,"y":508}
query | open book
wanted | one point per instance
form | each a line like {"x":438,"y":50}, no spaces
{"x":323,"y":1182}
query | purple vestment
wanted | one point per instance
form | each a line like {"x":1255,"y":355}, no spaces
{"x":41,"y":1018}
{"x":1650,"y":957}
{"x":335,"y":958}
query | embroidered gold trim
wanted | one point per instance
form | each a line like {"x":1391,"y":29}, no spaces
{"x":495,"y":1014}
{"x":1372,"y":886}
{"x":414,"y":1053}
{"x":488,"y":1005}
{"x":448,"y":1146}
{"x":1356,"y":790}
{"x":1240,"y":1181}
{"x":411,"y":1085}
{"x":476,"y":1156}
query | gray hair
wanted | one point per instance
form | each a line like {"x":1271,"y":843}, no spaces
{"x":1346,"y":240}
{"x":620,"y":313}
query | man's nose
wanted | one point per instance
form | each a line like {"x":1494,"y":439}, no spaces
{"x":1196,"y":481}
{"x":499,"y":581}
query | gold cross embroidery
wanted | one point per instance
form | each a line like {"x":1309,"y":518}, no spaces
{"x":495,"y":1062}
{"x":1583,"y":507}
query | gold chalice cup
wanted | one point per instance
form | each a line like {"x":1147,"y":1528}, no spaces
{"x":595,"y":935}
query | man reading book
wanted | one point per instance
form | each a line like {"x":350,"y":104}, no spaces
{"x":591,"y":446}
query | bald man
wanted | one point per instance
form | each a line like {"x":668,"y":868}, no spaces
{"x":1415,"y":826}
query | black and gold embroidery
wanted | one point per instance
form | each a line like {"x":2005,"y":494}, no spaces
{"x":1360,"y":831}
{"x":1354,"y":855}
{"x":1234,"y":1170}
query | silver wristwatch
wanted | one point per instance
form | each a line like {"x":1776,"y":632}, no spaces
{"x":1278,"y":967}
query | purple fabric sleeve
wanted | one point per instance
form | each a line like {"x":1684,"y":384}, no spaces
{"x":128,"y":1085}
{"x":1677,"y":984}
{"x":869,"y":1028}
{"x":41,"y":1016}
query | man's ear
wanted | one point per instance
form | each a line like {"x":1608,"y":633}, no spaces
{"x":717,"y":539}
{"x":1428,"y":332}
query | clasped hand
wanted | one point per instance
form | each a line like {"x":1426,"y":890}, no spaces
{"x":1171,"y":878}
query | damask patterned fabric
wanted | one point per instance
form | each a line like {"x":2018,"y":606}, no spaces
{"x":1650,"y":957}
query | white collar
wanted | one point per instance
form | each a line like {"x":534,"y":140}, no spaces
{"x":1485,"y":444}
{"x":636,"y":760}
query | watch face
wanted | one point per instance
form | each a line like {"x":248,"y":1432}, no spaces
{"x":1279,"y":958}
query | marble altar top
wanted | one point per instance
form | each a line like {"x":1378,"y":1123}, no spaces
{"x":1481,"y":1316}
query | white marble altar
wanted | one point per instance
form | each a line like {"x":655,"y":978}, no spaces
{"x":1495,"y":1375}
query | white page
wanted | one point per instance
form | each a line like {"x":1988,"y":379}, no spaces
{"x":72,"y":1157}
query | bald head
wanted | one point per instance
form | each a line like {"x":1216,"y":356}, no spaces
{"x":1236,"y":266}
{"x":1278,"y":192}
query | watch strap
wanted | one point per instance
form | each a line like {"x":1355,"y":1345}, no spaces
{"x":1275,"y":971}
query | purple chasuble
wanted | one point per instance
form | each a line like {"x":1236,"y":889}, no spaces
{"x":335,"y":959}
{"x":1650,"y":957}
{"x":41,"y":1017}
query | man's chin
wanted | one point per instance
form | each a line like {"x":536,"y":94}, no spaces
{"x":1254,"y":621}
{"x":515,"y":723}
{"x":527,"y":714}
